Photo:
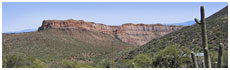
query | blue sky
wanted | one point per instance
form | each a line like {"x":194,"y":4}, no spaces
{"x":29,"y":15}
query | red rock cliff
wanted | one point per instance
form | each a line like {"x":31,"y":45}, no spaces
{"x":135,"y":34}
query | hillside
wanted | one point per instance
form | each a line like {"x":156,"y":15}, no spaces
{"x":190,"y":37}
{"x":55,"y":45}
{"x":76,"y":40}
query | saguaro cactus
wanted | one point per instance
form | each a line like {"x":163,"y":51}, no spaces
{"x":220,"y":55}
{"x":204,"y":38}
{"x":194,"y":60}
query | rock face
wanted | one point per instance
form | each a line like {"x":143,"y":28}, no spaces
{"x":135,"y":34}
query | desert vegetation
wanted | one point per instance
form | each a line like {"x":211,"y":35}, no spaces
{"x":206,"y":43}
{"x":202,"y":45}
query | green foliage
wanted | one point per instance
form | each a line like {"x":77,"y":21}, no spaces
{"x":103,"y":63}
{"x":172,"y":56}
{"x":141,"y":60}
{"x":214,"y":58}
{"x":20,"y":61}
{"x":68,"y":64}
{"x":83,"y":65}
{"x":32,"y":62}
{"x":12,"y":61}
{"x":74,"y":64}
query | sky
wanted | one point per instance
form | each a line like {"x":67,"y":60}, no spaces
{"x":17,"y":16}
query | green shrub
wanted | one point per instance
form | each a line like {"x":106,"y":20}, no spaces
{"x":32,"y":62}
{"x":83,"y":65}
{"x":104,"y":63}
{"x":172,"y":56}
{"x":13,"y":61}
{"x":214,"y":58}
{"x":74,"y":64}
{"x":20,"y":61}
{"x":141,"y":60}
{"x":68,"y":64}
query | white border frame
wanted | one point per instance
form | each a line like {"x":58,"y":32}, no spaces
{"x":106,"y":1}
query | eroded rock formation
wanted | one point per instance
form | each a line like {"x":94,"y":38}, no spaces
{"x":135,"y":34}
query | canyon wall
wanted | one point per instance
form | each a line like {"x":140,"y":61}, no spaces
{"x":135,"y":34}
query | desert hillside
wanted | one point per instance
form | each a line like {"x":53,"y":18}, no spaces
{"x":189,"y":38}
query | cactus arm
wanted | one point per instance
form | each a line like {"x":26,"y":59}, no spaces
{"x":198,"y":22}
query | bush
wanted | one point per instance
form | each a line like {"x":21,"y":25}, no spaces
{"x":12,"y":61}
{"x":68,"y":64}
{"x":214,"y":58}
{"x":104,"y":63}
{"x":83,"y":65}
{"x":32,"y":62}
{"x":74,"y":64}
{"x":172,"y":56}
{"x":141,"y":60}
{"x":20,"y":61}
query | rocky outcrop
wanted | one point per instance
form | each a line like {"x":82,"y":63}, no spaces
{"x":135,"y":34}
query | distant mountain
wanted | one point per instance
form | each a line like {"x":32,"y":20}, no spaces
{"x":22,"y":31}
{"x":190,"y":37}
{"x":188,"y":23}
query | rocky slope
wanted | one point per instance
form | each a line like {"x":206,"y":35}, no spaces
{"x":135,"y":34}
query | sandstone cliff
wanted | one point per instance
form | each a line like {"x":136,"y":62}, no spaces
{"x":135,"y":34}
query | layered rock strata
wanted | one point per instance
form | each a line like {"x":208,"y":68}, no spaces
{"x":135,"y":34}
